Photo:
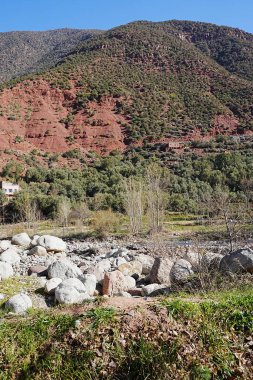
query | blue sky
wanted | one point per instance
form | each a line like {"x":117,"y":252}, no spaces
{"x":105,"y":14}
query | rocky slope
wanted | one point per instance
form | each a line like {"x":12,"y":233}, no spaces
{"x":136,"y":84}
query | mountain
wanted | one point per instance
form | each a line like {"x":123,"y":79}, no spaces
{"x":137,"y":84}
{"x":26,"y":52}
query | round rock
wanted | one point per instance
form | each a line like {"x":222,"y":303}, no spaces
{"x":22,"y":240}
{"x":10,"y":256}
{"x":19,"y":303}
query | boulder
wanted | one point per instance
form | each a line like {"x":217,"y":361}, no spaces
{"x":10,"y":256}
{"x":38,"y":270}
{"x":52,"y":243}
{"x":4,"y":244}
{"x":114,"y":283}
{"x":211,"y":261}
{"x":194,"y":258}
{"x":131,"y":268}
{"x":160,"y":272}
{"x":38,"y":251}
{"x":181,"y":271}
{"x":153,"y":289}
{"x":238,"y":261}
{"x":51,"y":285}
{"x":129,"y":283}
{"x":21,"y":240}
{"x":34,"y":240}
{"x":90,"y":282}
{"x":19,"y":303}
{"x":118,"y":261}
{"x":147,"y":263}
{"x":6,"y":271}
{"x":135,"y":292}
{"x":63,"y":269}
{"x":99,"y":269}
{"x":71,"y":291}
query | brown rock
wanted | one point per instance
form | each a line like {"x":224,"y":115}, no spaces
{"x":38,"y":270}
{"x":114,"y":283}
{"x":136,"y":292}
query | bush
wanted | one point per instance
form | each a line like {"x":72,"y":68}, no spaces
{"x":105,"y":222}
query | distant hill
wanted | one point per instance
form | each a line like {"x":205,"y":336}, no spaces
{"x":137,"y":84}
{"x":26,"y":52}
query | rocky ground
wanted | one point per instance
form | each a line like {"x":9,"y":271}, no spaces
{"x":73,"y":271}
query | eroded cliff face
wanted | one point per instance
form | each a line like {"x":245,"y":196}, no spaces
{"x":34,"y":115}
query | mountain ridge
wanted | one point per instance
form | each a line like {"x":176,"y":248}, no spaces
{"x":139,"y":83}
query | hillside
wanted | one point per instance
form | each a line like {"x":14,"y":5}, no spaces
{"x":27,"y":52}
{"x":136,"y":84}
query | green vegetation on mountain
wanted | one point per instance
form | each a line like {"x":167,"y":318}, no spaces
{"x":165,"y":86}
{"x":27,"y":52}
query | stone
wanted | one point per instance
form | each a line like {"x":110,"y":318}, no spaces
{"x":63,"y":269}
{"x":51,"y":285}
{"x":38,"y":251}
{"x":147,"y":263}
{"x":129,"y":283}
{"x":160,"y":272}
{"x":135,"y":292}
{"x":181,"y":271}
{"x":131,"y":268}
{"x":238,"y":261}
{"x":90,"y":282}
{"x":114,"y":283}
{"x":153,"y":289}
{"x":52,"y":243}
{"x":19,"y":303}
{"x":99,"y":269}
{"x":71,"y":291}
{"x":38,"y":270}
{"x":34,"y":240}
{"x":6,"y":271}
{"x":125,"y":294}
{"x":4,"y":244}
{"x":193,"y":257}
{"x":22,"y":240}
{"x":211,"y":261}
{"x":10,"y":256}
{"x":118,"y":261}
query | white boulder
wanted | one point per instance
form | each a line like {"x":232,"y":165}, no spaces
{"x":4,"y":244}
{"x":38,"y":251}
{"x":63,"y":269}
{"x":146,"y":261}
{"x":6,"y":271}
{"x":19,"y":303}
{"x":10,"y":256}
{"x":71,"y":291}
{"x":52,"y":243}
{"x":90,"y":282}
{"x":22,"y":240}
{"x":51,"y":285}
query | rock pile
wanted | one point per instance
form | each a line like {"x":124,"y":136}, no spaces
{"x":72,"y":274}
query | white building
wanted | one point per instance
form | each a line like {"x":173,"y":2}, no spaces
{"x":9,"y":189}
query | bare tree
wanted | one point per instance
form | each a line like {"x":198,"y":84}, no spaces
{"x":233,"y":213}
{"x":156,"y":199}
{"x":63,"y":211}
{"x":133,"y":203}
